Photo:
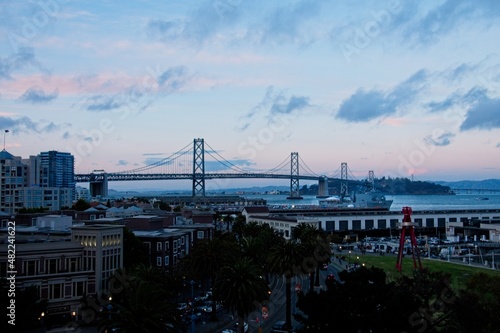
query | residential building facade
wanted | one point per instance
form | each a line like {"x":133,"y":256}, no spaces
{"x":46,"y":181}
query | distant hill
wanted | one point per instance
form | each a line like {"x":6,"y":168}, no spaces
{"x":487,"y":184}
{"x":388,"y":185}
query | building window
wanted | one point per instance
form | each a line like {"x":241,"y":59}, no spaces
{"x":56,"y":291}
{"x":158,"y":261}
{"x":158,"y":246}
{"x":356,"y":225}
{"x":167,"y":246}
{"x":72,"y":264}
{"x":167,"y":260}
{"x":29,"y":267}
{"x":52,"y":266}
{"x":79,"y":288}
{"x":147,"y":245}
{"x":175,"y":246}
{"x":200,"y":235}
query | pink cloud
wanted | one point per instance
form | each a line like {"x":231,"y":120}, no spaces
{"x":395,"y":122}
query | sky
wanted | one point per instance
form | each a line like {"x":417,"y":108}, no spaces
{"x":400,"y":88}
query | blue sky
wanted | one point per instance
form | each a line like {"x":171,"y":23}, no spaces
{"x":398,"y":87}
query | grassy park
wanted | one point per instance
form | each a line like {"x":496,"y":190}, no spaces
{"x":458,"y":271}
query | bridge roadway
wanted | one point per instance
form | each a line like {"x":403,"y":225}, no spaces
{"x":85,"y":178}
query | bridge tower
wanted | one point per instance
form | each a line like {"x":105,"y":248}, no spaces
{"x":198,"y":168}
{"x":294,"y":177}
{"x":343,"y":180}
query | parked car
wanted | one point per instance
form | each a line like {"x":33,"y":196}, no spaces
{"x":207,"y":307}
{"x":245,"y":327}
{"x":330,"y":278}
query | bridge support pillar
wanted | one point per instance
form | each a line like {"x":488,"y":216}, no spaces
{"x":323,"y":187}
{"x":98,"y":185}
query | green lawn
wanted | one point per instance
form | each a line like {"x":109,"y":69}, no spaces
{"x":459,"y":272}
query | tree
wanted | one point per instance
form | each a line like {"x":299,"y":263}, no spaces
{"x":258,"y":246}
{"x":365,"y":302}
{"x":286,"y":258}
{"x":476,"y":306}
{"x":241,"y":288}
{"x":165,"y":206}
{"x":228,"y":219}
{"x":28,"y":307}
{"x":239,"y":226}
{"x":81,"y":205}
{"x":207,"y":259}
{"x":317,"y":249}
{"x":144,"y":307}
{"x":134,"y":252}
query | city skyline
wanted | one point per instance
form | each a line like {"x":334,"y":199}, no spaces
{"x":397,"y":87}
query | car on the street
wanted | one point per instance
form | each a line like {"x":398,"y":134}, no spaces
{"x":245,"y":327}
{"x":206,"y":307}
{"x":330,"y":278}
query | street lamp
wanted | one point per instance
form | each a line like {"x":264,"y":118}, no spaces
{"x":349,"y":257}
{"x":193,"y":316}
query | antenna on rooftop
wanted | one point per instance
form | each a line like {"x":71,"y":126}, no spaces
{"x":5,"y":132}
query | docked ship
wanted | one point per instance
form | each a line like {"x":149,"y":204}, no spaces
{"x":369,"y":200}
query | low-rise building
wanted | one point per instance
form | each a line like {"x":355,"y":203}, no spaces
{"x":58,"y":271}
{"x":284,"y":225}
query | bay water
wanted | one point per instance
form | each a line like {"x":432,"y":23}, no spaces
{"x":416,"y":202}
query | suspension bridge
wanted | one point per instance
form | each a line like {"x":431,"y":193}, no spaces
{"x":194,"y":162}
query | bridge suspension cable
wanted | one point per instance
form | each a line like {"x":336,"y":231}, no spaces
{"x":305,"y":166}
{"x":283,"y":165}
{"x":165,"y":161}
{"x":351,"y":174}
{"x":336,"y":173}
{"x":223,"y":161}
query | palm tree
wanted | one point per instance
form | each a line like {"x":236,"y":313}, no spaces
{"x":207,"y":259}
{"x":317,"y":249}
{"x":257,"y":244}
{"x":238,"y":226}
{"x":286,"y":259}
{"x":144,"y":304}
{"x":241,"y":287}
{"x":305,"y":234}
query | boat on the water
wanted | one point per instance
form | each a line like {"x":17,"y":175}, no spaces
{"x":371,"y":199}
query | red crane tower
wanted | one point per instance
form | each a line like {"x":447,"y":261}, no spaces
{"x":407,"y":224}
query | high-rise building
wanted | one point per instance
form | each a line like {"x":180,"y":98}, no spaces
{"x":57,"y":169}
{"x":46,"y":180}
{"x":13,"y":177}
